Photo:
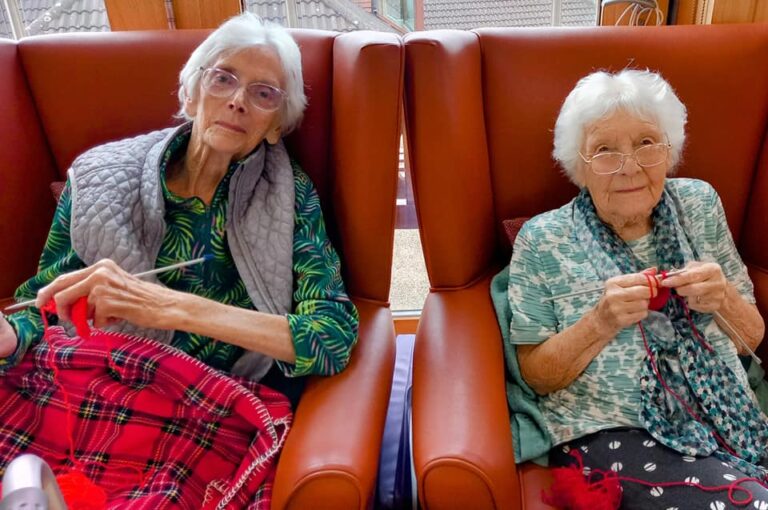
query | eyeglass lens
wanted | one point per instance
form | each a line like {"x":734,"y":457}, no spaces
{"x":645,"y":156}
{"x":222,"y":83}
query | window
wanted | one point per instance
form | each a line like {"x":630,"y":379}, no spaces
{"x":20,"y":18}
{"x":469,"y":14}
{"x":336,"y":15}
{"x":6,"y":29}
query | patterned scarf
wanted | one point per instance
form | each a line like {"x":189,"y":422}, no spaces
{"x":710,"y":411}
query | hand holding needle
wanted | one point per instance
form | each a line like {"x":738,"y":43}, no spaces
{"x":590,"y":290}
{"x":673,"y":272}
{"x":31,"y":302}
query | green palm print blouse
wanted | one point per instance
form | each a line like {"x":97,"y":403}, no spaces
{"x":324,"y":321}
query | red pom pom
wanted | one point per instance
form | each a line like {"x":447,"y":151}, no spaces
{"x":572,"y":490}
{"x":80,"y":493}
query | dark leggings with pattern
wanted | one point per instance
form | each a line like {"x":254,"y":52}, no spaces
{"x":634,"y":453}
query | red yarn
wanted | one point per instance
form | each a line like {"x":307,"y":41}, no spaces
{"x":79,"y":316}
{"x":80,"y":493}
{"x":662,"y":293}
{"x":573,"y":490}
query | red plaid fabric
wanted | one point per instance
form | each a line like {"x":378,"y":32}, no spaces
{"x":152,"y":426}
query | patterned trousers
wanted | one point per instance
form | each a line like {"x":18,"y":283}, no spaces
{"x":634,"y":453}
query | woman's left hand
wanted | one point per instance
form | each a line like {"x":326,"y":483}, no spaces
{"x":703,"y":284}
{"x":113,"y":294}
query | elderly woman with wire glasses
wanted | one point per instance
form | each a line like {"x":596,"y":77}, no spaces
{"x":269,"y":302}
{"x":630,"y":306}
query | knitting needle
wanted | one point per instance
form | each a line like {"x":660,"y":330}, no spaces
{"x":673,"y":272}
{"x":31,"y":302}
{"x":738,"y":338}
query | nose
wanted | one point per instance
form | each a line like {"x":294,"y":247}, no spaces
{"x":237,"y":101}
{"x":630,"y":166}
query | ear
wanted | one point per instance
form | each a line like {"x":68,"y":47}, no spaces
{"x":190,"y":105}
{"x":273,"y":135}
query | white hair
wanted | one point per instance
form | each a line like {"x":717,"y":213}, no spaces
{"x":238,"y":33}
{"x":598,"y":95}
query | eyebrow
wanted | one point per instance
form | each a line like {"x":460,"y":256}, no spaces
{"x":609,"y":139}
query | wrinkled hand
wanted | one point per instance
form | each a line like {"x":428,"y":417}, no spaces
{"x":625,"y":300}
{"x":703,"y":284}
{"x":113,"y":294}
{"x":8,"y":340}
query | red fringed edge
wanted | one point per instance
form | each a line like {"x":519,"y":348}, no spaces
{"x":572,"y":490}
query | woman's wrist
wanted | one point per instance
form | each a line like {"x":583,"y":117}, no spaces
{"x":599,"y":328}
{"x":732,"y":300}
{"x":181,"y":311}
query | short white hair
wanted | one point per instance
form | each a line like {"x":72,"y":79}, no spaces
{"x":238,"y":33}
{"x":644,"y":94}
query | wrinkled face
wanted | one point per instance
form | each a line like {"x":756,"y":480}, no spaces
{"x":630,"y":194}
{"x":233,"y":125}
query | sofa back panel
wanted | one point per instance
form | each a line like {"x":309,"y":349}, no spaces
{"x":26,"y":169}
{"x":367,"y":96}
{"x":448,"y":155}
{"x":719,"y":72}
{"x":754,"y":241}
{"x":91,"y":88}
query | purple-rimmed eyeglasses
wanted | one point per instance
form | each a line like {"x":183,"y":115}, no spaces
{"x":221,"y":83}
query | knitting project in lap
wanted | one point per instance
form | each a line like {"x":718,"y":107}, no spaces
{"x":152,"y":426}
{"x":730,"y":424}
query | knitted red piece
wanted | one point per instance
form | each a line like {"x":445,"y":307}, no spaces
{"x":662,"y":293}
{"x":79,"y":317}
{"x":572,"y":490}
{"x":658,"y":302}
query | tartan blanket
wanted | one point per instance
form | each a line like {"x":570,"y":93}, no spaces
{"x":152,"y":426}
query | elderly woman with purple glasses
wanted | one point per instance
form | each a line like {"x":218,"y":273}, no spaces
{"x":639,"y":381}
{"x":269,"y":304}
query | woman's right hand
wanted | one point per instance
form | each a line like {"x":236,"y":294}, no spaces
{"x":8,"y":340}
{"x":625,"y":301}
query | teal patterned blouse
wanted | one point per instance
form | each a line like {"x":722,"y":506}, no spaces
{"x":324,"y":321}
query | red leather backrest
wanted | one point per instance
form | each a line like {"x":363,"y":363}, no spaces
{"x":26,"y":169}
{"x":518,"y":79}
{"x":754,"y":238}
{"x":92,"y":88}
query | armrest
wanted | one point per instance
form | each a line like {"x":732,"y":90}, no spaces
{"x":462,"y":440}
{"x":331,"y":456}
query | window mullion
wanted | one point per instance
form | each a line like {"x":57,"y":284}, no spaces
{"x":14,"y":16}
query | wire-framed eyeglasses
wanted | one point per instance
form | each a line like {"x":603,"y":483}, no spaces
{"x":606,"y":163}
{"x":221,"y":83}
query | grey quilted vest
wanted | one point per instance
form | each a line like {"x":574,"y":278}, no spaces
{"x":118,"y":213}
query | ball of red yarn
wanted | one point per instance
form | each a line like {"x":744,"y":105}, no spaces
{"x":80,"y":493}
{"x":571,"y":490}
